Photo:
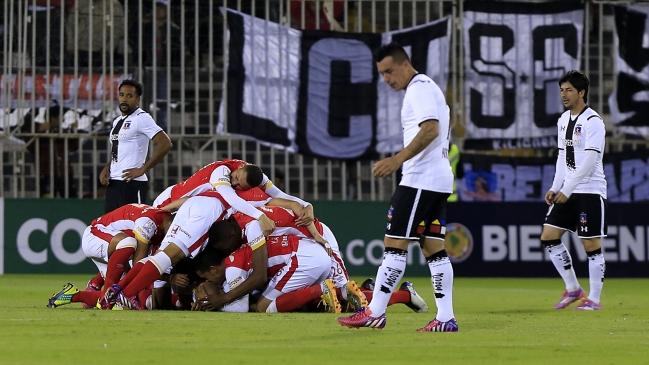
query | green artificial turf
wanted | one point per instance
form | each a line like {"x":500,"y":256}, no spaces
{"x":501,"y":321}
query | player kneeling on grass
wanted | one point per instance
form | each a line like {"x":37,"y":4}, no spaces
{"x":108,"y":246}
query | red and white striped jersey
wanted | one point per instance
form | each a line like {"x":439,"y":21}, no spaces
{"x":136,"y":220}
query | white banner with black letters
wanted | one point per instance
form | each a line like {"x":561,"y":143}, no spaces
{"x":318,"y":92}
{"x":515,"y":54}
{"x":629,"y":102}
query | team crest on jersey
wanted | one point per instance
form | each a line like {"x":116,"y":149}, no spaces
{"x":578,"y":130}
{"x":582,"y":218}
{"x":390,"y":211}
{"x":127,"y":125}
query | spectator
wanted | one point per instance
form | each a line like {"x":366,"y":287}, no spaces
{"x":93,"y":34}
{"x":50,"y":122}
{"x":329,"y":15}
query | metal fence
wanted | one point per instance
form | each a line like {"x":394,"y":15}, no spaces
{"x":62,"y":62}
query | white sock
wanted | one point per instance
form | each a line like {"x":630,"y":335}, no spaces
{"x":272,"y":307}
{"x":562,"y":262}
{"x":387,"y":278}
{"x":596,"y":270}
{"x":161,"y":261}
{"x":441,"y":272}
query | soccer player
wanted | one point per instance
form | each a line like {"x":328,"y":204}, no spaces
{"x":225,"y":236}
{"x":111,"y":240}
{"x":418,"y":206}
{"x":125,"y":173}
{"x":226,"y":177}
{"x":186,"y":237}
{"x":293,"y":263}
{"x":577,"y":198}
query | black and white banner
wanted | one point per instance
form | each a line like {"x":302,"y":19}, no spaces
{"x":515,"y":179}
{"x":318,"y":92}
{"x":515,"y":54}
{"x":629,"y":102}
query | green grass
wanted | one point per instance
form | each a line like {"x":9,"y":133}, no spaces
{"x":502,"y":321}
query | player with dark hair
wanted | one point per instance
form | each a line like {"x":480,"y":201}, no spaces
{"x":418,"y":206}
{"x":124,"y":174}
{"x":577,"y":198}
{"x":226,"y":177}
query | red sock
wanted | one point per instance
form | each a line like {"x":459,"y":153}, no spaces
{"x":87,"y":297}
{"x":97,"y":281}
{"x":147,"y":276}
{"x":339,"y":294}
{"x":130,"y":275}
{"x":368,"y":294}
{"x":116,"y":263}
{"x":145,"y":294}
{"x":294,"y":300}
{"x":174,"y":301}
{"x":399,"y":296}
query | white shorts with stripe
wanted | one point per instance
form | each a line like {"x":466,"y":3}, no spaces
{"x":308,"y":266}
{"x":189,"y":230}
{"x":338,"y":273}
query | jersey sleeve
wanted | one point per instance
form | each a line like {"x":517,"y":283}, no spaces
{"x":422,"y":102}
{"x":220,"y":176}
{"x":147,"y":125}
{"x":275,"y":192}
{"x":254,"y":235}
{"x":234,"y":276}
{"x":144,"y":229}
{"x":595,"y":134}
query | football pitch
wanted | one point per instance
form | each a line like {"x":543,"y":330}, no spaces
{"x":501,"y":321}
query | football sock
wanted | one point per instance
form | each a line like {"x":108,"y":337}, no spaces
{"x":118,"y":260}
{"x":145,"y":294}
{"x":388,"y":276}
{"x":562,"y":262}
{"x":596,"y":270}
{"x":151,"y":271}
{"x":294,"y":300}
{"x":87,"y":297}
{"x":441,"y":272}
{"x":341,"y":293}
{"x":132,"y":273}
{"x":398,"y":296}
{"x":97,"y":281}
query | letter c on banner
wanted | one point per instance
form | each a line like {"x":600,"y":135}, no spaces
{"x":349,"y":252}
{"x":345,"y":131}
{"x":56,"y":241}
{"x":22,"y":241}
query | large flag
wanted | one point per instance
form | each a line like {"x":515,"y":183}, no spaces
{"x":318,"y":92}
{"x":515,"y":54}
{"x":629,"y":102}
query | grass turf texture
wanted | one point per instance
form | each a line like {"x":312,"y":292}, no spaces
{"x":501,"y":321}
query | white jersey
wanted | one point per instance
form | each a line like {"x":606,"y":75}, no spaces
{"x":133,"y":142}
{"x":576,"y":135}
{"x":430,"y":168}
